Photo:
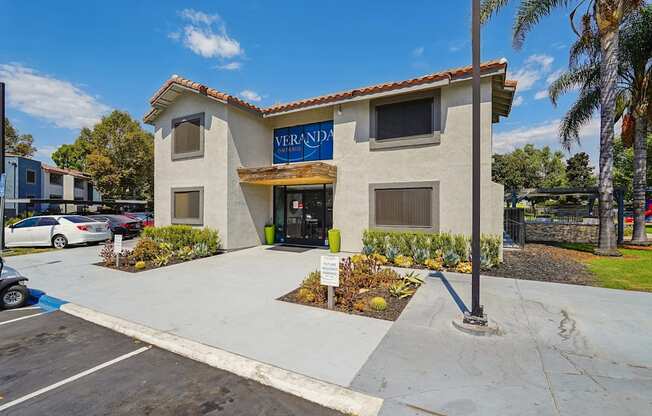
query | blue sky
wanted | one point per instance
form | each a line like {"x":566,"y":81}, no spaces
{"x":67,"y":64}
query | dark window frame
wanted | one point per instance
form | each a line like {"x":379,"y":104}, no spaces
{"x":27,"y":181}
{"x":56,"y":175}
{"x":434,"y":205}
{"x":80,"y":181}
{"x":431,"y":138}
{"x":194,"y":154}
{"x":187,"y":221}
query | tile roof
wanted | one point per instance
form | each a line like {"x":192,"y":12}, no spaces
{"x":63,"y":171}
{"x":451,"y":74}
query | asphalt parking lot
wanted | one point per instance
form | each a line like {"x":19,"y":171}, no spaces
{"x":56,"y":364}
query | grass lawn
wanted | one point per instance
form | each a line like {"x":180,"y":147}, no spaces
{"x":19,"y":251}
{"x":632,"y":271}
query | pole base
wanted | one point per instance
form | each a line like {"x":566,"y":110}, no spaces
{"x":476,"y":325}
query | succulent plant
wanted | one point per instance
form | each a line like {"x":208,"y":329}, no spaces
{"x":420,"y":255}
{"x":403,"y":261}
{"x":378,"y":303}
{"x":391,"y":252}
{"x":140,"y":265}
{"x":305,"y":295}
{"x":464,"y":267}
{"x":200,"y":250}
{"x":451,"y":258}
{"x":433,"y":264}
{"x":401,"y":289}
{"x":368,"y":249}
{"x":379,"y":258}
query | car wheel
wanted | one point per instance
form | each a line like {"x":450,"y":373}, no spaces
{"x":59,"y":241}
{"x":14,"y":297}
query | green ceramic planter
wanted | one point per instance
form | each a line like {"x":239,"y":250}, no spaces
{"x":334,"y":240}
{"x":269,"y":234}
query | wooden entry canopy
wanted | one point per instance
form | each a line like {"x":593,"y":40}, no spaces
{"x":291,"y":174}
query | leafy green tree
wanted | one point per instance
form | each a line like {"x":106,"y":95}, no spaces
{"x":529,"y":167}
{"x":18,"y":144}
{"x":624,"y":166}
{"x":118,"y":155}
{"x":607,"y":16}
{"x":579,"y":171}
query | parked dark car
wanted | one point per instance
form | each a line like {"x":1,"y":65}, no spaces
{"x":120,"y":224}
{"x":13,"y":290}
{"x":147,"y":218}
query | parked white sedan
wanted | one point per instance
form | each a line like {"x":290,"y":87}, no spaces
{"x":56,"y":230}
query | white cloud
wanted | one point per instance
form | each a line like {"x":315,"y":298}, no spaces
{"x":545,"y":61}
{"x":200,"y":37}
{"x":44,"y":153}
{"x":517,"y":101}
{"x":546,"y":133}
{"x":198,"y":17}
{"x":57,"y":101}
{"x":250,"y":95}
{"x":535,"y":68}
{"x":418,"y":52}
{"x":553,"y":76}
{"x":230,"y":66}
{"x":540,"y":95}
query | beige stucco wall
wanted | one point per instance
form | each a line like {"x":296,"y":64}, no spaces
{"x":235,"y":137}
{"x":209,"y":171}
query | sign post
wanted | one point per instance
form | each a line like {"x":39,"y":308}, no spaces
{"x":330,"y":276}
{"x":117,"y":249}
{"x":2,"y":161}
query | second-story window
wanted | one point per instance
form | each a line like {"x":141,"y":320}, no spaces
{"x":79,"y":184}
{"x":31,"y":177}
{"x":188,"y":136}
{"x":404,"y":119}
{"x":56,"y":179}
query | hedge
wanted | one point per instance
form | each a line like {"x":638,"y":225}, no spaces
{"x":433,"y":245}
{"x":180,"y":236}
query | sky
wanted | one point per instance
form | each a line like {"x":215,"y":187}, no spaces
{"x":68,"y":63}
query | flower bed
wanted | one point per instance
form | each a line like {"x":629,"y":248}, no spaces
{"x":366,"y":288}
{"x":164,"y":246}
{"x":434,"y":251}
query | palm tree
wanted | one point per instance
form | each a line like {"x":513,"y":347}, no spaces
{"x":633,"y":96}
{"x":608,"y":16}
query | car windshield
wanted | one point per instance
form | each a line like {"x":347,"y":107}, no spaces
{"x":78,"y":219}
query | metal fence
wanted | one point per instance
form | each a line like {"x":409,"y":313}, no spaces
{"x":514,"y":227}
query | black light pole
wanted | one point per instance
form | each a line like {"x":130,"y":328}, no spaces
{"x":477,"y":315}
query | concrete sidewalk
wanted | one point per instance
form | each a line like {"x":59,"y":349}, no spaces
{"x":564,"y":350}
{"x":226,"y":301}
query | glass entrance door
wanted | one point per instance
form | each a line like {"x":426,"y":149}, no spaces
{"x":303,"y":214}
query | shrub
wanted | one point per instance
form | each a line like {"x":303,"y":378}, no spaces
{"x":179,"y":236}
{"x":107,"y":254}
{"x":305,"y":295}
{"x":140,"y":265}
{"x":413,"y":244}
{"x":434,"y":264}
{"x":403,"y":261}
{"x":145,"y":250}
{"x":378,"y":303}
{"x":185,"y":253}
{"x":200,"y":250}
{"x":312,"y":284}
{"x":464,"y":267}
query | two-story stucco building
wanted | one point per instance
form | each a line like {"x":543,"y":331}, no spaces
{"x":395,"y":156}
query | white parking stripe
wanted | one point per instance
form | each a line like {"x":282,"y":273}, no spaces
{"x":73,"y":378}
{"x":21,"y":318}
{"x":24,"y":308}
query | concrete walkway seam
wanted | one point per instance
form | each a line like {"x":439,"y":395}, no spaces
{"x":317,"y":391}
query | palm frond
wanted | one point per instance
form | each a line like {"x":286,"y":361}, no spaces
{"x":488,"y":8}
{"x":584,"y":77}
{"x":578,"y":115}
{"x":528,"y":15}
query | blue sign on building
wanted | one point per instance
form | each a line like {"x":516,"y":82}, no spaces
{"x":304,"y":143}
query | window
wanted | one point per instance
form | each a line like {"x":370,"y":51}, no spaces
{"x":409,"y":118}
{"x":188,"y":206}
{"x":55,"y":196}
{"x":78,"y":219}
{"x":29,"y":222}
{"x":79,"y":183}
{"x":46,"y":221}
{"x":56,"y":179}
{"x":188,"y":136}
{"x":405,"y":206}
{"x":31,"y":177}
{"x":400,"y":121}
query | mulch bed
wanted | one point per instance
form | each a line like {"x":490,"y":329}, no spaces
{"x":545,"y":263}
{"x":394,"y":305}
{"x":124,"y":267}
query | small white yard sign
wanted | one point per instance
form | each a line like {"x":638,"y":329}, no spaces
{"x":330,"y":271}
{"x":117,"y":243}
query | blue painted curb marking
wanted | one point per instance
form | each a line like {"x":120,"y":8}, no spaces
{"x":45,"y":302}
